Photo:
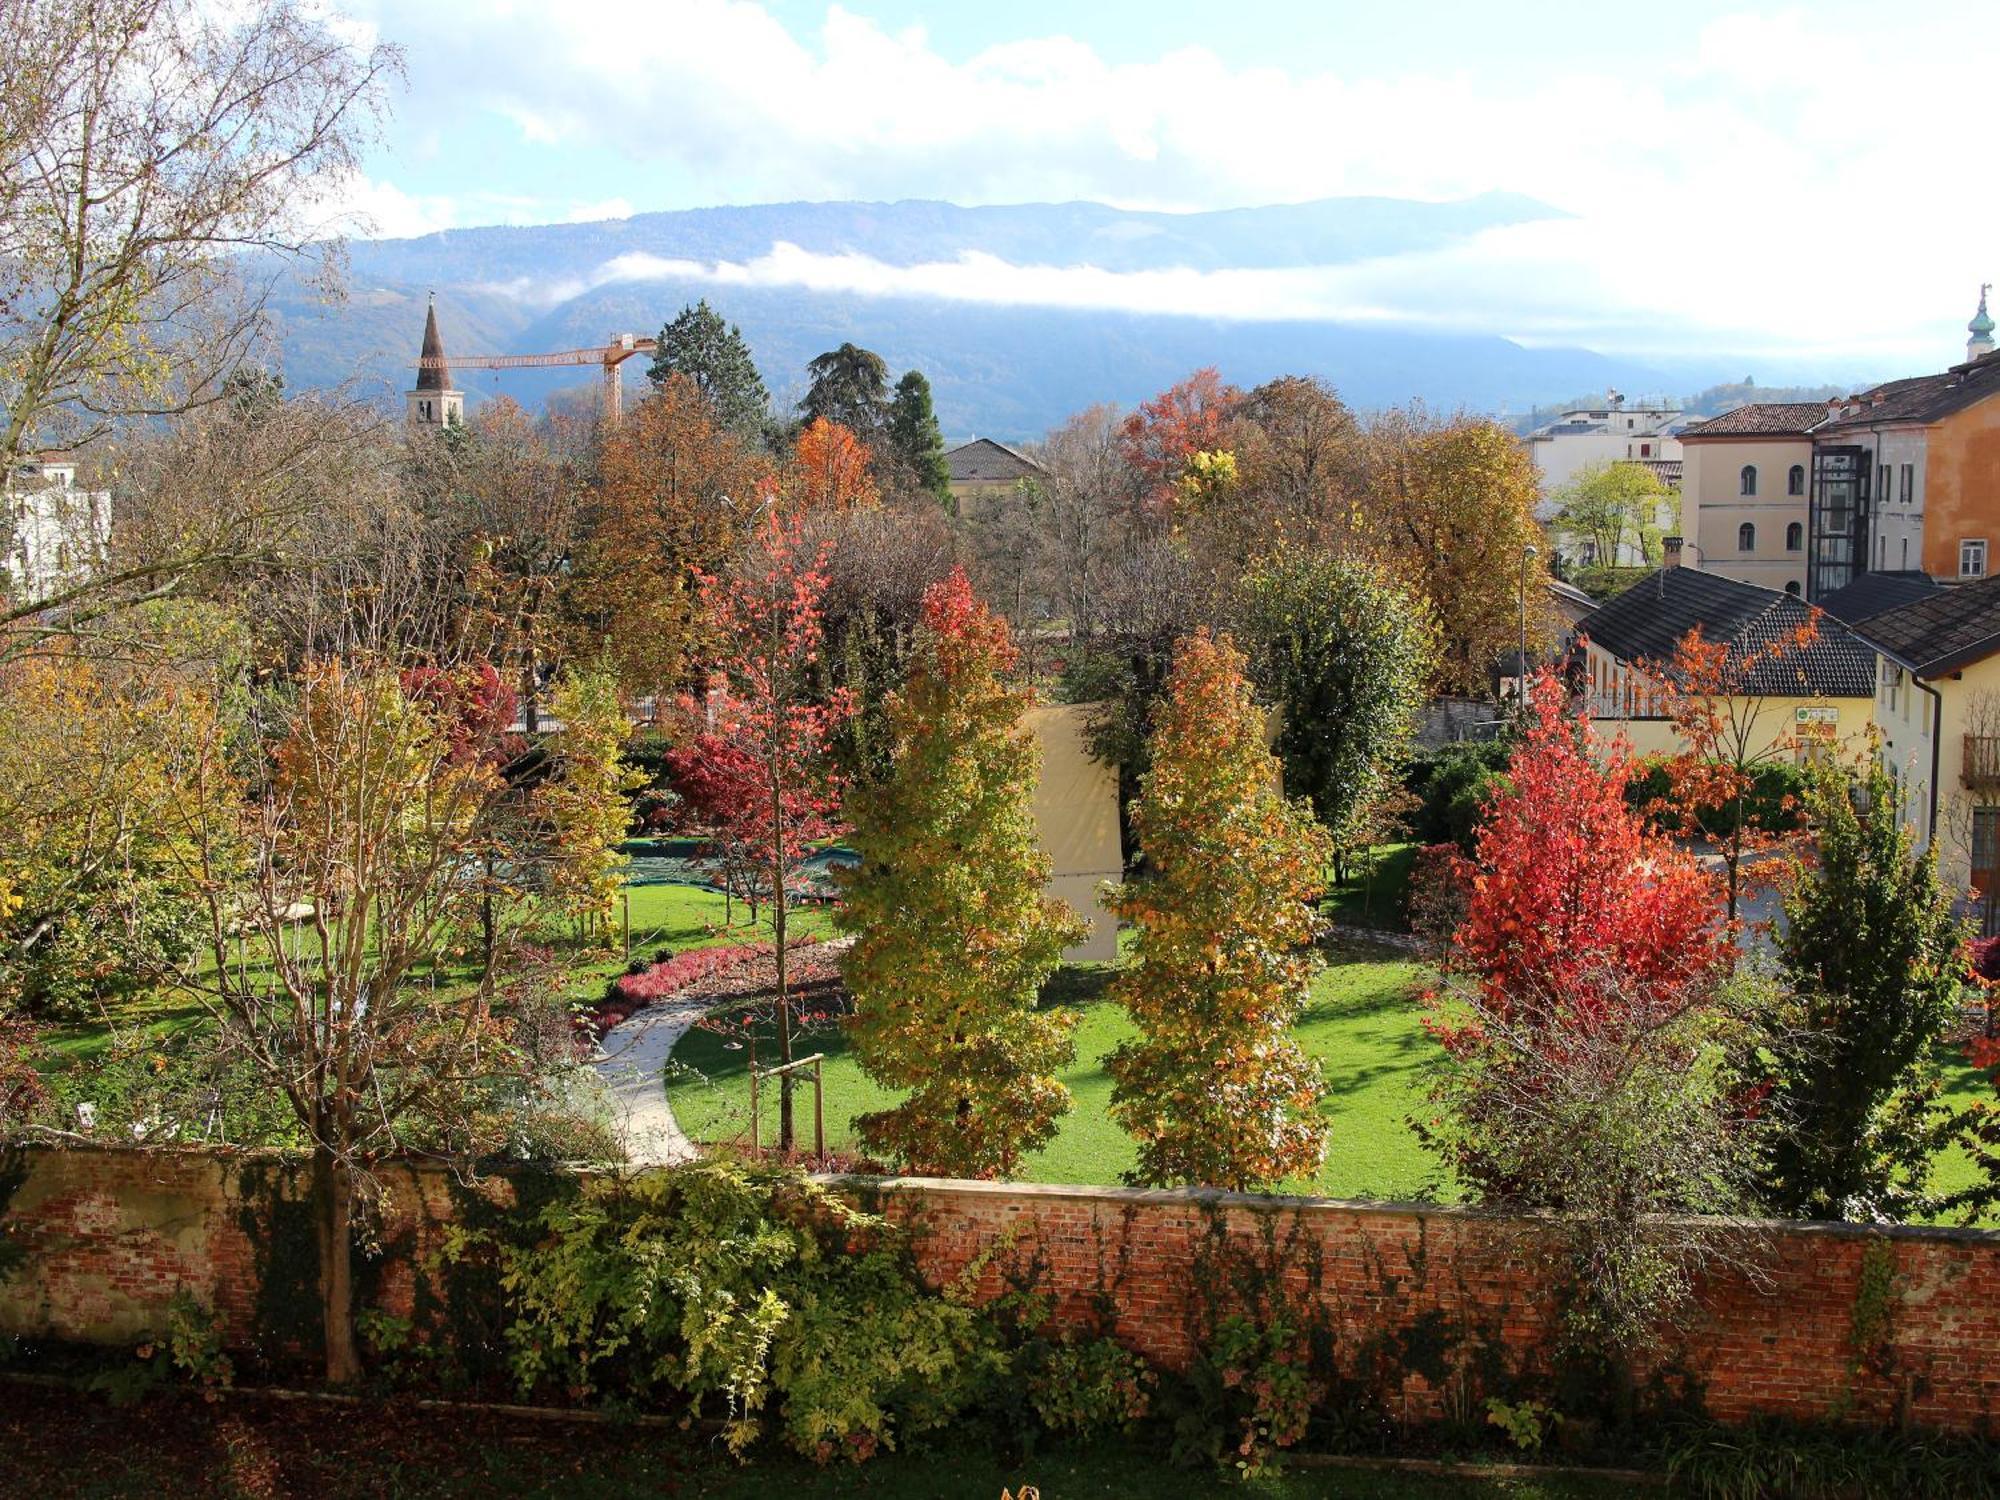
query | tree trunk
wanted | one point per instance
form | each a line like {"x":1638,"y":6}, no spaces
{"x":785,"y":1135}
{"x":333,"y":1219}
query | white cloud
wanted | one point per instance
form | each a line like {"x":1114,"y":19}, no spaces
{"x":1798,"y":180}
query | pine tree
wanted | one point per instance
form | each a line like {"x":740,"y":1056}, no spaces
{"x":1876,"y":962}
{"x":954,"y":935}
{"x":714,"y":355}
{"x":914,"y":438}
{"x":850,"y":386}
{"x":1214,"y":1089}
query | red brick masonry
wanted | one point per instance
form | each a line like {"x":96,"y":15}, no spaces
{"x":100,"y":1238}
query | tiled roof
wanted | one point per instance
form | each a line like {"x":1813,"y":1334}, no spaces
{"x":1922,"y":398}
{"x":983,"y":461}
{"x":1942,"y":631}
{"x":1761,"y":419}
{"x":1872,"y":593}
{"x":1666,"y":470}
{"x":1650,"y":618}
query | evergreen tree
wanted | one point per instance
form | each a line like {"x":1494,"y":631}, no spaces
{"x":1876,"y":962}
{"x":714,"y":355}
{"x":850,"y":386}
{"x":1214,"y":1089}
{"x":954,"y":935}
{"x":914,"y":438}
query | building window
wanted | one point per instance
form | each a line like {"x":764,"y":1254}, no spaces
{"x":1795,"y":535}
{"x":1906,"y":554}
{"x":1746,"y":538}
{"x":1795,"y":480}
{"x":1972,"y":558}
{"x":1749,"y":479}
{"x":1645,"y":450}
{"x":1793,"y":588}
{"x":1882,"y":482}
{"x":1909,"y":483}
{"x":1892,"y":685}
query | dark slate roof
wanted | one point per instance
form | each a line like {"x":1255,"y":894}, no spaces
{"x":1761,"y":419}
{"x":983,"y":461}
{"x":1650,"y":618}
{"x":433,"y":377}
{"x":1922,"y":398}
{"x":1942,"y":631}
{"x":1872,"y":593}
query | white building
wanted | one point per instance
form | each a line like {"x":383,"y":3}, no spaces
{"x":1607,"y":434}
{"x":53,"y":531}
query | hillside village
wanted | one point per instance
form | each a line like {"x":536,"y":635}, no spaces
{"x":691,"y":935}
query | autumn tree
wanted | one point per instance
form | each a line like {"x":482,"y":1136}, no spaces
{"x":674,"y":491}
{"x":1450,"y":508}
{"x":830,"y":469}
{"x":913,"y":439}
{"x":713,"y":354}
{"x":1345,"y":654}
{"x":145,"y":145}
{"x":1163,"y":435}
{"x":1089,"y":497}
{"x":1876,"y":963}
{"x":954,"y":934}
{"x":1299,"y":448}
{"x":1585,"y":1028}
{"x":1715,"y":692}
{"x":1214,"y":1089}
{"x":767,"y":619}
{"x":359,"y":829}
{"x":1606,"y":506}
{"x":581,"y":802}
{"x":850,"y":388}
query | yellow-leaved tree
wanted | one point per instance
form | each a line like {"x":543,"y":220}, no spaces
{"x":1214,"y":1089}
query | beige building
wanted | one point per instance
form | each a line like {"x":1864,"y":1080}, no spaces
{"x":1937,"y":706}
{"x":1746,"y":482}
{"x":1791,"y":703}
{"x":1076,"y":816}
{"x":983,"y":472}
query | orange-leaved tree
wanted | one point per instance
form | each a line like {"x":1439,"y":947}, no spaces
{"x":1162,"y":438}
{"x":1715,"y":693}
{"x":1214,"y":1089}
{"x":954,"y":934}
{"x":830,"y":469}
{"x":768,"y":620}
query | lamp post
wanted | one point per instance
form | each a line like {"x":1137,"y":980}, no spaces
{"x":1528,"y":555}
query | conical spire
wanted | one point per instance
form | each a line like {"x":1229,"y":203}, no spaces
{"x":432,"y":377}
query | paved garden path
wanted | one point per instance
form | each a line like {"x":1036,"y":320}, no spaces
{"x":631,"y":1063}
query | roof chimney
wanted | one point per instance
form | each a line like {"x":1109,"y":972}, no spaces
{"x":1670,"y":552}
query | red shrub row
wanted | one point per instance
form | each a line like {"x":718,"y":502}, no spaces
{"x":661,"y":981}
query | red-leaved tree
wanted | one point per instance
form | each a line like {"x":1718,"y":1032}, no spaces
{"x":769,"y":623}
{"x":1187,"y":418}
{"x":715,"y":781}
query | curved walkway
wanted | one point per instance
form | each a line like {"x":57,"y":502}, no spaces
{"x":631,"y":1063}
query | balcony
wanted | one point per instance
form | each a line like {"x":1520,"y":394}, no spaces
{"x":1980,"y":770}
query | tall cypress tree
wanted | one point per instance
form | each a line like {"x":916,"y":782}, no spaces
{"x":954,"y":934}
{"x":914,"y":437}
{"x":714,"y":355}
{"x":1875,"y":961}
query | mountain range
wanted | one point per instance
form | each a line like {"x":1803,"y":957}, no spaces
{"x":1005,"y":370}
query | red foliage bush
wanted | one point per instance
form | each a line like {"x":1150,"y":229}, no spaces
{"x":661,"y":981}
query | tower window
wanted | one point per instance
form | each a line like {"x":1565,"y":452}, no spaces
{"x":1795,"y":535}
{"x":1795,"y":480}
{"x":1749,"y":479}
{"x":1746,"y":537}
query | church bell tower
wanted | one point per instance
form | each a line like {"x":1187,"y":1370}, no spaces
{"x":434,"y":403}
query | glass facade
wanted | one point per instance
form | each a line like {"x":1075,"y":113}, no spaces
{"x":1839,"y":520}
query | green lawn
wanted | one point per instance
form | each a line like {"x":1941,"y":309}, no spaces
{"x":1362,"y":1023}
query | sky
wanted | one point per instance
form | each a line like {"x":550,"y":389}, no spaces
{"x":1806,"y":185}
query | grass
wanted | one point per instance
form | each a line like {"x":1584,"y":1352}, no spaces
{"x":662,"y":916}
{"x":59,"y":1446}
{"x":1362,"y":1022}
{"x":1374,"y":895}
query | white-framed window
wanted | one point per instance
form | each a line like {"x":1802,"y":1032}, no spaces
{"x":1892,"y":684}
{"x":1972,"y":557}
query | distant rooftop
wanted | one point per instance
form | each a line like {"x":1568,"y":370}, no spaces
{"x":1922,"y":398}
{"x":1872,"y":593}
{"x":1942,"y":630}
{"x":1648,"y":620}
{"x":983,"y":461}
{"x":1761,"y":419}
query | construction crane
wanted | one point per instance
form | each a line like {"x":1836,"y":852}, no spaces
{"x":621,"y":347}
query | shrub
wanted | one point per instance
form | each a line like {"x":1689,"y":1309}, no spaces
{"x":1774,"y":805}
{"x":742,"y":1289}
{"x":1438,"y":777}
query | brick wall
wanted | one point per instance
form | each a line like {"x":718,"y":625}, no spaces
{"x":94,"y":1241}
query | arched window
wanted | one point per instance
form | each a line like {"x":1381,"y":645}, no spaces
{"x":1749,"y":478}
{"x":1795,"y":480}
{"x":1792,"y":588}
{"x":1746,"y":536}
{"x":1795,"y":537}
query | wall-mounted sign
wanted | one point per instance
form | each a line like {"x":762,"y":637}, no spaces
{"x":1816,"y":714}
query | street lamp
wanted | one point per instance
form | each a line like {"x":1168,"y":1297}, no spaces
{"x":1528,"y":555}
